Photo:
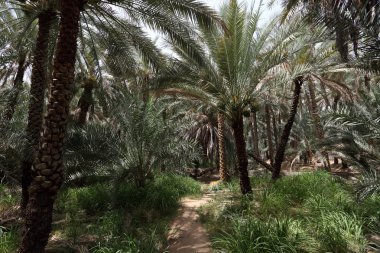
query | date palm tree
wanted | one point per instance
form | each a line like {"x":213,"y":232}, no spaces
{"x":310,"y":60}
{"x":354,"y":23}
{"x":234,"y":67}
{"x":47,"y":171}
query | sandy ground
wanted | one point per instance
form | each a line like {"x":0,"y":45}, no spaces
{"x":187,"y":235}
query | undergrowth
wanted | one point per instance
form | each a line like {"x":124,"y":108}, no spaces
{"x":110,"y":219}
{"x":124,"y":218}
{"x":311,"y":212}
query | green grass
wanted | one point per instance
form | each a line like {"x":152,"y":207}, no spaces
{"x":124,"y":218}
{"x":7,"y":199}
{"x":311,"y":212}
{"x":252,"y":235}
{"x":9,"y":240}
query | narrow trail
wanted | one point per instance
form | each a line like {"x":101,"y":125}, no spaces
{"x":187,"y":234}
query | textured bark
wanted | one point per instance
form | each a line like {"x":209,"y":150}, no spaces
{"x":325,"y":96}
{"x":222,"y":149}
{"x":15,"y":92}
{"x":287,"y":129}
{"x":341,"y":41}
{"x":238,"y":127}
{"x":85,"y":101}
{"x":269,"y":133}
{"x":275,"y":130}
{"x":317,"y":121}
{"x":36,"y":101}
{"x":336,"y":101}
{"x":47,"y":171}
{"x":255,"y":134}
{"x":367,"y":81}
{"x":262,"y":162}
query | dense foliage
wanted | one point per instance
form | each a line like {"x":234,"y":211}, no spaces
{"x":102,"y":127}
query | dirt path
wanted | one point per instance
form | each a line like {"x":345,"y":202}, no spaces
{"x":187,"y":235}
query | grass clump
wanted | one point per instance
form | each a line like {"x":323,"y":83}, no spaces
{"x":7,"y":199}
{"x":124,"y":218}
{"x":9,"y":240}
{"x":253,"y":235}
{"x":310,"y":212}
{"x":340,"y":232}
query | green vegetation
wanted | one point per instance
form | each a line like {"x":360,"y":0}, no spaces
{"x":311,"y":212}
{"x":104,"y":128}
{"x":9,"y":240}
{"x":127,"y":219}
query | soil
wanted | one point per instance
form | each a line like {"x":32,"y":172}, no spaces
{"x":187,"y":234}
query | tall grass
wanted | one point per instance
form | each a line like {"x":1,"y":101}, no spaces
{"x":162,"y":194}
{"x":125,"y":218}
{"x":255,"y":236}
{"x":340,"y":233}
{"x":7,"y":199}
{"x":9,"y":240}
{"x":311,"y":212}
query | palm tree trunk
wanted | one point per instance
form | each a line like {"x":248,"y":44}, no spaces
{"x":222,"y":149}
{"x":275,"y":130}
{"x":324,"y":95}
{"x":269,"y":133}
{"x":317,"y":121}
{"x":238,"y":127}
{"x":85,"y":101}
{"x":47,"y":171}
{"x":287,"y":129}
{"x":17,"y":87}
{"x":367,"y":81}
{"x":36,"y":102}
{"x":255,"y":134}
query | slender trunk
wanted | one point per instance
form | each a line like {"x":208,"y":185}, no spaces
{"x":15,"y":92}
{"x":367,"y":81}
{"x":85,"y":101}
{"x":317,"y":121}
{"x":47,"y":171}
{"x":275,"y":130}
{"x":341,"y":41}
{"x":325,"y":96}
{"x":269,"y":133}
{"x":238,"y":127}
{"x":287,"y":129}
{"x":335,"y":107}
{"x":336,"y":101}
{"x":36,"y":102}
{"x":255,"y":134}
{"x":222,"y":149}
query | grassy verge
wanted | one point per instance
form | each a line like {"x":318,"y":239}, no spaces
{"x":311,"y":212}
{"x":103,"y":218}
